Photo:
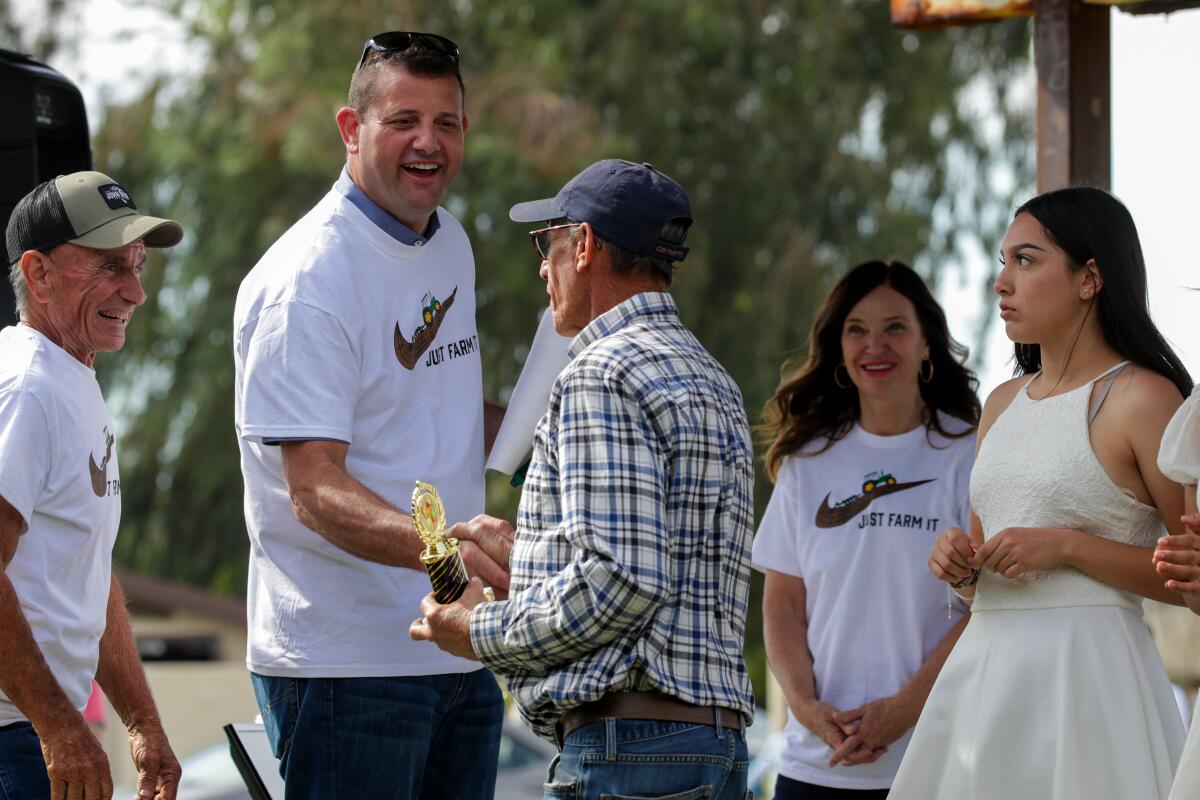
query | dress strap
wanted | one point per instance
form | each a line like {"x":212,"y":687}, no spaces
{"x":1108,"y":377}
{"x":1114,"y":370}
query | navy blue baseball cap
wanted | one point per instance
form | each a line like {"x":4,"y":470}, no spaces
{"x":627,"y":204}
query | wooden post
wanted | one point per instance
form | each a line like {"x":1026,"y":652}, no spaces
{"x":1074,"y":126}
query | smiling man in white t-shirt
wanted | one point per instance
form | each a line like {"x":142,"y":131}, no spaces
{"x":76,"y":248}
{"x":358,"y":372}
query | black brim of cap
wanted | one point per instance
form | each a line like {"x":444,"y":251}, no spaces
{"x":536,"y":211}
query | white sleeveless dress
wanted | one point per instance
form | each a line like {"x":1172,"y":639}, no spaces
{"x":1055,"y":690}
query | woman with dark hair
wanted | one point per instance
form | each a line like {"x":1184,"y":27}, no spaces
{"x":1055,"y":691}
{"x":871,"y":445}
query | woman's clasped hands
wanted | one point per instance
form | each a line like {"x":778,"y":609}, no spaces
{"x":859,"y":735}
{"x":1012,"y":552}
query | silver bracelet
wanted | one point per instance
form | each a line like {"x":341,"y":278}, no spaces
{"x":950,"y":603}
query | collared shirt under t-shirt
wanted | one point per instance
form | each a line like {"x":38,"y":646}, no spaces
{"x":382,"y":219}
{"x":631,"y":568}
{"x":343,"y":332}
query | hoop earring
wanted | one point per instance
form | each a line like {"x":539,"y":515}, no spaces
{"x":849,"y":383}
{"x":921,"y":372}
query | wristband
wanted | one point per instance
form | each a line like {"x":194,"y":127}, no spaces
{"x":970,"y":580}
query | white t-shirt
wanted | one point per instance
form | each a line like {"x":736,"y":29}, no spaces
{"x":58,"y":468}
{"x":857,"y":523}
{"x":341,"y":332}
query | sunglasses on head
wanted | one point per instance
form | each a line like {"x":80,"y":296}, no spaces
{"x":399,"y":41}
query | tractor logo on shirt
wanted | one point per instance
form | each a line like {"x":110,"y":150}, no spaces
{"x":874,"y":479}
{"x":874,"y":485}
{"x":99,"y":472}
{"x":433,"y":311}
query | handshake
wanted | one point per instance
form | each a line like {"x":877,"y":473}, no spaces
{"x":485,"y":544}
{"x":485,"y":541}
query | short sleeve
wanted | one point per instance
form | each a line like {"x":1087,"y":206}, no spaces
{"x":301,"y":376}
{"x":775,"y":545}
{"x":1179,"y":452}
{"x":24,"y":450}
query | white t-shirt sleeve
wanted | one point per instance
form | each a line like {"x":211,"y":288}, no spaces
{"x":301,"y":376}
{"x":24,"y":451}
{"x":775,"y":545}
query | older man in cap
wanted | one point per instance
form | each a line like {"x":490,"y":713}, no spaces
{"x":76,"y":250}
{"x":622,"y":637}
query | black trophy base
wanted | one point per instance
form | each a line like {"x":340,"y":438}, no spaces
{"x":448,"y":576}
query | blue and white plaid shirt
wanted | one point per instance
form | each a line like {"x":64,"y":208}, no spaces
{"x":631,"y":568}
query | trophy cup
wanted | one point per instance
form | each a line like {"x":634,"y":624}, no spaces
{"x":442,"y":561}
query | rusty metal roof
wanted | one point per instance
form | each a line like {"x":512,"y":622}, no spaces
{"x":944,"y":13}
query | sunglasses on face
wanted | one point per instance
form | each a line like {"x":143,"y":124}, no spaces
{"x":399,"y":41}
{"x":541,"y":237}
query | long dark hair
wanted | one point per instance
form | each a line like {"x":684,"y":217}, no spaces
{"x":1089,"y":223}
{"x":809,"y":404}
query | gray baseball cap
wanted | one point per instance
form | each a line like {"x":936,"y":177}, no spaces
{"x":89,"y":209}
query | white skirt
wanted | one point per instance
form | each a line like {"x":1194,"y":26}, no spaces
{"x":1187,"y":779}
{"x":1047,"y":704}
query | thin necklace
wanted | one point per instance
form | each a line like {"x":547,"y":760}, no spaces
{"x":1070,"y":352}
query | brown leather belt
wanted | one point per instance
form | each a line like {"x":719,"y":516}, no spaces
{"x":647,"y":705}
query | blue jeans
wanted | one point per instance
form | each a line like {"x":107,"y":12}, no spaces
{"x":22,"y":768}
{"x":618,"y":759}
{"x":430,"y":736}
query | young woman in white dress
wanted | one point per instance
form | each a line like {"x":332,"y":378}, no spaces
{"x":1177,"y":558}
{"x":1055,"y":690}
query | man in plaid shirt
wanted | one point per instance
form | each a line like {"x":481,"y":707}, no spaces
{"x":622,"y":637}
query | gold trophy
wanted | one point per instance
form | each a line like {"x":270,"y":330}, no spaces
{"x":440,"y":556}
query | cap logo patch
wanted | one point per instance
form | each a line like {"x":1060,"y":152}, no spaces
{"x":116,"y":197}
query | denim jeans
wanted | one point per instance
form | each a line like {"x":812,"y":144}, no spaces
{"x":617,"y":759}
{"x":430,"y":736}
{"x":22,"y":768}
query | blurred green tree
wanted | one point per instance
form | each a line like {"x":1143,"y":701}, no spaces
{"x":810,"y":134}
{"x":42,"y":35}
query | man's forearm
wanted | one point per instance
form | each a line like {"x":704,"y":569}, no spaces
{"x":564,"y":617}
{"x":120,"y":672}
{"x":493,"y":417}
{"x":25,"y":678}
{"x":120,"y":675}
{"x":331,"y":502}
